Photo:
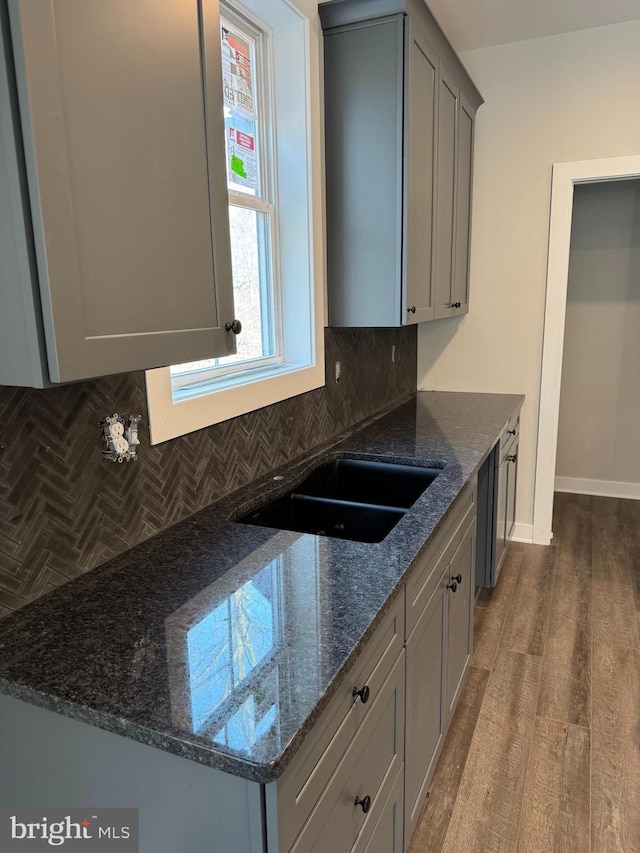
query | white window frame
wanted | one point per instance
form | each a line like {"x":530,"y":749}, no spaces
{"x":295,"y":44}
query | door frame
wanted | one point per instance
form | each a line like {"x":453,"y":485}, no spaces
{"x":565,"y":177}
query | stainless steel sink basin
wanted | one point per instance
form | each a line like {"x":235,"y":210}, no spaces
{"x":347,"y":499}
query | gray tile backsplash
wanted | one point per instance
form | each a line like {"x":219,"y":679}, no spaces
{"x":63,"y":510}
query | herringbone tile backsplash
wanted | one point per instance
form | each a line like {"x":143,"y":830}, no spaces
{"x":63,"y":510}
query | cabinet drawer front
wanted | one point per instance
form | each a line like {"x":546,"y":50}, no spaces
{"x":306,"y":777}
{"x":374,"y":757}
{"x":425,"y":575}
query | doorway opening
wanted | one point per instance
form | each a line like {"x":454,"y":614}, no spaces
{"x":565,"y":177}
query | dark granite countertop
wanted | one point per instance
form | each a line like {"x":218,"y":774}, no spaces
{"x":222,"y":642}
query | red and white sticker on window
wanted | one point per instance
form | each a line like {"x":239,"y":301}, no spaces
{"x":237,"y":74}
{"x":241,"y":153}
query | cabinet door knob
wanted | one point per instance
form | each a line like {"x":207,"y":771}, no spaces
{"x":412,"y":310}
{"x":512,"y":457}
{"x":456,"y":304}
{"x":453,"y":586}
{"x":235,"y":327}
{"x":363,"y":694}
{"x":511,"y":431}
{"x":364,"y":803}
{"x":457,"y":578}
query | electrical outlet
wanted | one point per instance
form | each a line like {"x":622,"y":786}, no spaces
{"x":393,"y":354}
{"x":120,"y":437}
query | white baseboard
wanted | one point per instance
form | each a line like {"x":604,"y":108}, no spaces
{"x":601,"y":488}
{"x":523,"y":533}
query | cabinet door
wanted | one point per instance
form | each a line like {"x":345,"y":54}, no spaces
{"x":464,"y":176}
{"x":511,"y":464}
{"x":122,"y":117}
{"x":364,"y":103}
{"x":445,"y":193}
{"x":367,"y":770}
{"x":460,"y":614}
{"x":500,"y":509}
{"x":425,"y":722}
{"x":387,"y":835}
{"x":418,"y":303}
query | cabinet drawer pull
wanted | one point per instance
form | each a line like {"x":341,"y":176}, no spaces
{"x":363,"y":694}
{"x":235,"y":327}
{"x":364,"y":803}
{"x":412,"y":310}
{"x":453,"y":586}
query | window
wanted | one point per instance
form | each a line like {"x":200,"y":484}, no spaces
{"x":271,"y":102}
{"x":249,"y":170}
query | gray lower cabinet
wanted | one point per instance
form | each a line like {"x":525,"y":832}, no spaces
{"x":438,"y":650}
{"x":426,"y":719}
{"x":114,"y":245}
{"x":512,"y":485}
{"x":460,"y":600}
{"x":497,"y":486}
{"x":346,"y":815}
{"x":506,"y":479}
{"x":388,"y":832}
{"x":356,"y":784}
{"x":184,"y":807}
{"x":354,"y":750}
{"x":399,"y":113}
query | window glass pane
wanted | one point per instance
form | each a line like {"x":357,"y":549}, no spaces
{"x":251,"y":283}
{"x":240,"y":110}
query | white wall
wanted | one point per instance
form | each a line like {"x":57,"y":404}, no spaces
{"x":599,"y":427}
{"x":569,"y":97}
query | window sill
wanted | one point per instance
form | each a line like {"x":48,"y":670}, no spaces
{"x":169,"y":419}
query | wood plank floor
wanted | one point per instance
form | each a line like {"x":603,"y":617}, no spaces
{"x":543,"y":755}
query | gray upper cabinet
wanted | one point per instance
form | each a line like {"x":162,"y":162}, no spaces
{"x":466,"y":119}
{"x":448,"y":102}
{"x":115,"y":219}
{"x":419,"y":174}
{"x":456,"y":117}
{"x":399,"y":109}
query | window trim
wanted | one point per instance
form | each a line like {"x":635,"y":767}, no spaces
{"x":299,"y":218}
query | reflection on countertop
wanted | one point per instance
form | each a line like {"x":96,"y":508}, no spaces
{"x":223,"y":642}
{"x":237,"y":657}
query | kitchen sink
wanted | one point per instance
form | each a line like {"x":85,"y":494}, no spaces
{"x":347,"y":499}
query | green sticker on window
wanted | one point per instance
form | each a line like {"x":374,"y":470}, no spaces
{"x":237,"y":166}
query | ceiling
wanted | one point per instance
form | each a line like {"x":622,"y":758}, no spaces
{"x":470,"y":24}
